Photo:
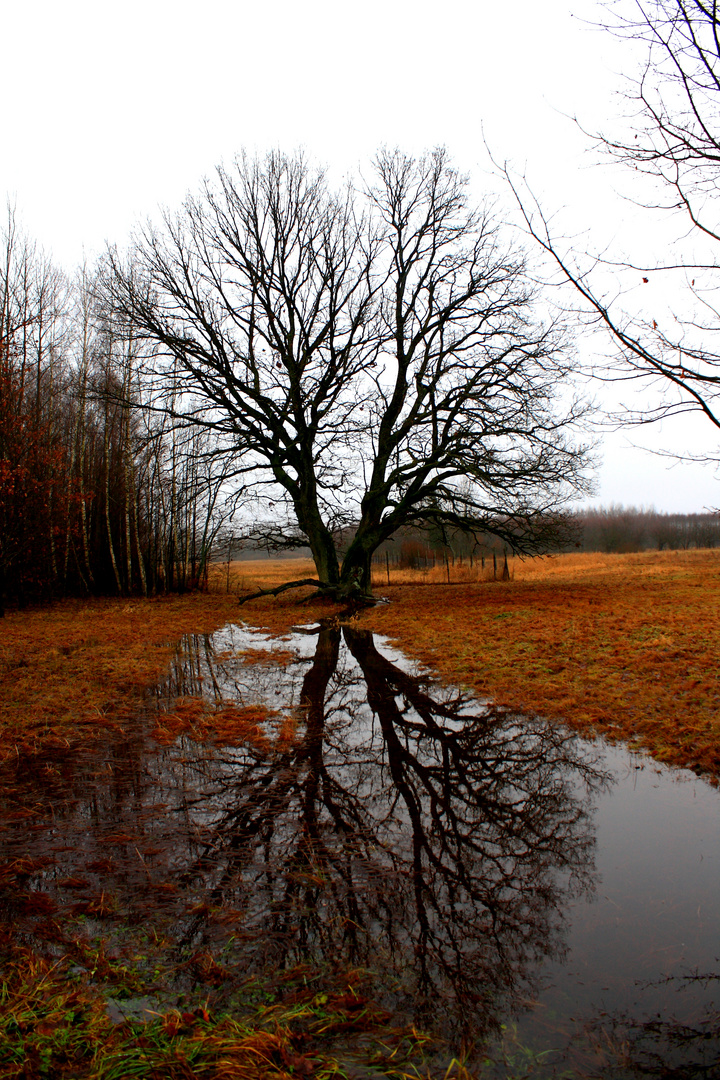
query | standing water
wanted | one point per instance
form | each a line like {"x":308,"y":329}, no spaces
{"x":550,"y":901}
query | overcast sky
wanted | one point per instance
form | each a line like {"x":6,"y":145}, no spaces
{"x":111,"y":111}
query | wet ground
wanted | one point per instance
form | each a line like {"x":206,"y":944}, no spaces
{"x":553,"y":901}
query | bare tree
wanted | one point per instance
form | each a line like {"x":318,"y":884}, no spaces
{"x":370,"y":359}
{"x":35,"y":495}
{"x":675,"y":141}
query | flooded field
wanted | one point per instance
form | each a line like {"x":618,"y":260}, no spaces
{"x":314,"y":800}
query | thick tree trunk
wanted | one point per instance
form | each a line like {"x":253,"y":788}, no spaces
{"x":356,"y":570}
{"x":358,"y":558}
{"x":320,"y":539}
{"x":324,"y":556}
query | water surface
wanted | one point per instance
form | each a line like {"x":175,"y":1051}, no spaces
{"x":506,"y":883}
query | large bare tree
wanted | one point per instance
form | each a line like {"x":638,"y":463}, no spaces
{"x":371,"y":358}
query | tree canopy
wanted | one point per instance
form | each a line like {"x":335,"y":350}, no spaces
{"x":369,"y":358}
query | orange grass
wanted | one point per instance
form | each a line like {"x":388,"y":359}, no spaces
{"x":226,"y":725}
{"x":249,"y":575}
{"x":623,"y":644}
{"x":68,"y":671}
{"x":626,"y":645}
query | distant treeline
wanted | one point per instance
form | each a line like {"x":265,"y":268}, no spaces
{"x":612,"y":529}
{"x":629,"y":528}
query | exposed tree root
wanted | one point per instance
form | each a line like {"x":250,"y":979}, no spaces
{"x":281,"y":588}
{"x":335,"y":592}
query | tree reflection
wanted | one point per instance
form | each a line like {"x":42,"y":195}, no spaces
{"x":402,"y":828}
{"x":666,"y":1047}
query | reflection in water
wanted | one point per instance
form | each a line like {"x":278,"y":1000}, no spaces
{"x":400,"y":829}
{"x":397,"y":827}
{"x":374,"y":818}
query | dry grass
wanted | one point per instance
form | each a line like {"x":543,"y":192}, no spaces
{"x":247,"y":576}
{"x":67,"y":674}
{"x":626,"y":645}
{"x":622,"y":644}
{"x":68,"y":671}
{"x":54,"y":1024}
{"x":575,"y":566}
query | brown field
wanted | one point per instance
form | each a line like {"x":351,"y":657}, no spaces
{"x":626,"y":645}
{"x":70,"y":670}
{"x":623,"y":645}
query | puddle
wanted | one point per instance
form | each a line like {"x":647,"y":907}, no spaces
{"x":507,"y":884}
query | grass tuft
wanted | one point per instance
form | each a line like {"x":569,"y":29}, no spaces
{"x":53,"y":1024}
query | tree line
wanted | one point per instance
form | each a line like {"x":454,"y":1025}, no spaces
{"x":619,"y":528}
{"x":97,"y":495}
{"x":614,"y":529}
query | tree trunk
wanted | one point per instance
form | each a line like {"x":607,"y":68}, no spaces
{"x":355,"y":575}
{"x":324,"y":556}
{"x":320,"y":539}
{"x":108,"y":524}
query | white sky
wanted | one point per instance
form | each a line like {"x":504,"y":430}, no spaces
{"x":112,"y":110}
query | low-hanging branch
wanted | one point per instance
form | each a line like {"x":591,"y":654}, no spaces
{"x":324,"y":588}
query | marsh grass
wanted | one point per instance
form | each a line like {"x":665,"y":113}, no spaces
{"x":622,"y":644}
{"x":564,"y":567}
{"x":248,"y":576}
{"x":69,"y":676}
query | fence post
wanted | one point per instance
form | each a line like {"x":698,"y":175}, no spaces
{"x":227,"y":581}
